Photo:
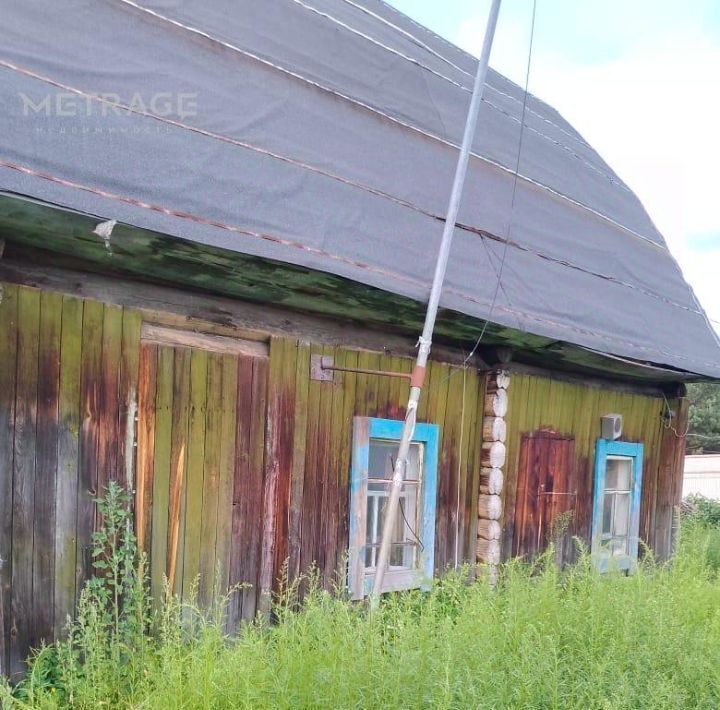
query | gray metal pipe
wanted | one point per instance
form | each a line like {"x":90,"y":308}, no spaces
{"x":425,"y":341}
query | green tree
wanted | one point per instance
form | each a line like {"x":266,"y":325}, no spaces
{"x":704,"y":429}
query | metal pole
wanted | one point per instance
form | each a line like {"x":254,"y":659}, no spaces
{"x":418,"y":375}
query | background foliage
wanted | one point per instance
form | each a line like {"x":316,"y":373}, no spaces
{"x":704,"y":431}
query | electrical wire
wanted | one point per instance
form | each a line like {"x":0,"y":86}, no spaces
{"x":516,"y":172}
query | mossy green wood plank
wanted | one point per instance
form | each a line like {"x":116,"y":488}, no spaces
{"x":22,"y":606}
{"x":8,"y":376}
{"x":430,"y":373}
{"x":162,"y":465}
{"x":367,"y":385}
{"x":228,"y":424}
{"x":544,"y":414}
{"x":297,"y":482}
{"x":68,"y":461}
{"x":128,"y":397}
{"x":178,"y":469}
{"x":90,"y":375}
{"x":344,"y":443}
{"x":109,"y":399}
{"x":145,"y":474}
{"x":46,"y":466}
{"x":211,"y":483}
{"x":195,"y":477}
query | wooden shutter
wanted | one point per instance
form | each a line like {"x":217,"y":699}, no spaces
{"x":547,"y":489}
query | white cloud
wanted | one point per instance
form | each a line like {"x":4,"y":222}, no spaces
{"x":652,"y":112}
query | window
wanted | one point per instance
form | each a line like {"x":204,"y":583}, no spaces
{"x":375,"y":446}
{"x":616,"y":509}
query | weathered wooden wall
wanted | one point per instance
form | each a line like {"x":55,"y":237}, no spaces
{"x":73,"y":374}
{"x":267,"y":451}
{"x":68,"y":373}
{"x":573,"y":410}
{"x":308,"y":460}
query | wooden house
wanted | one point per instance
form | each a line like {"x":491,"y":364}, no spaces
{"x":220,"y":221}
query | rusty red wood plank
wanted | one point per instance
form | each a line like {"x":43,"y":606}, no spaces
{"x":128,"y":398}
{"x":178,"y":465}
{"x":147,"y":392}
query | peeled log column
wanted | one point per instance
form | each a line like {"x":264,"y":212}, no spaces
{"x":489,"y":529}
{"x":488,"y":551}
{"x":491,"y":481}
{"x":489,"y":507}
{"x":503,"y":380}
{"x":496,"y":404}
{"x":492,"y":454}
{"x":498,"y":381}
{"x":494,"y":429}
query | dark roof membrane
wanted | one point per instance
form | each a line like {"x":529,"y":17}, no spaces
{"x":323,"y":133}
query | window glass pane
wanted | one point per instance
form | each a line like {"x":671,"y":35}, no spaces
{"x":618,"y":547}
{"x":405,"y":536}
{"x":403,"y":556}
{"x":621,"y":517}
{"x":618,"y":473}
{"x":382,"y":457}
{"x":607,"y":515}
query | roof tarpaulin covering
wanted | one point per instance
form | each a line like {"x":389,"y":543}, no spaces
{"x":324,"y":133}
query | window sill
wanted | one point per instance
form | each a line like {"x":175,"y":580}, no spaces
{"x":398,"y":581}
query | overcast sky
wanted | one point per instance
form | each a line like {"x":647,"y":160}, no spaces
{"x":640,"y":80}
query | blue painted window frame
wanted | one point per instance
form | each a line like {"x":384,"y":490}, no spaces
{"x":365,"y":429}
{"x":603,"y":449}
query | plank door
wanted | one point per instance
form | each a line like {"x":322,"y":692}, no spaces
{"x":545,"y":507}
{"x":201,"y":424}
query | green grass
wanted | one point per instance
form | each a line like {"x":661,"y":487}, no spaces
{"x":539,"y":639}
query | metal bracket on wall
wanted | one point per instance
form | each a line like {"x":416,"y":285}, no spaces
{"x":323,"y":369}
{"x":320,"y":368}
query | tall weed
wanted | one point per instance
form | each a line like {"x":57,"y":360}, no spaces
{"x":535,"y":637}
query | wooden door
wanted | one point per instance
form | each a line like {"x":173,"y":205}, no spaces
{"x":547,"y":498}
{"x":201,"y":424}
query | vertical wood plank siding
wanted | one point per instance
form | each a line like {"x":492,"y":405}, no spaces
{"x":574,"y":410}
{"x":67,"y":369}
{"x":310,"y":503}
{"x":242,"y":461}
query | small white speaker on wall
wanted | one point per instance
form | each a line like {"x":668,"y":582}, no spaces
{"x":611,"y":426}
